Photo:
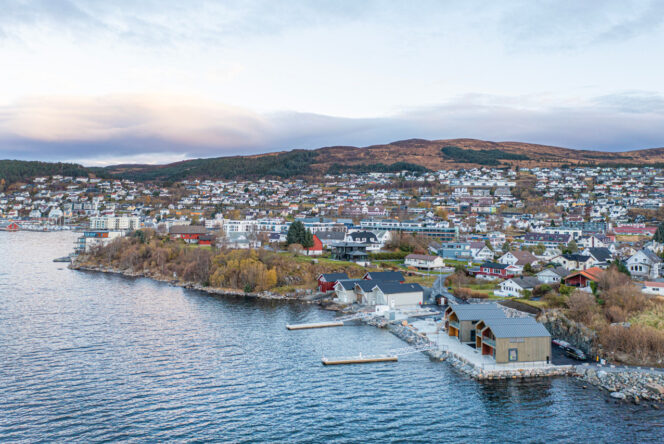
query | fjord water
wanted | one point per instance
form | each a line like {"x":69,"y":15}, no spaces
{"x":88,"y":357}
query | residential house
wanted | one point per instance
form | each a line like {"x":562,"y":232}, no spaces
{"x":424,"y":261}
{"x":459,"y":251}
{"x":575,"y":261}
{"x":601,"y":255}
{"x":583,"y":278}
{"x":552,"y":275}
{"x":481,"y":252}
{"x":519,"y":258}
{"x":516,"y":286}
{"x":364,"y":237}
{"x":644,"y":264}
{"x":350,"y":251}
{"x":653,"y":287}
{"x":547,"y":239}
{"x":493,"y":270}
{"x":188,"y":233}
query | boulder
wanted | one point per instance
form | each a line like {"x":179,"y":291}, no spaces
{"x":655,"y":388}
{"x":618,"y":395}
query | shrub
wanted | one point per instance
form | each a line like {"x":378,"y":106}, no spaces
{"x":467,"y":293}
{"x":582,"y":307}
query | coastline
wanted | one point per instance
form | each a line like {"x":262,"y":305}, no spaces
{"x":632,"y":385}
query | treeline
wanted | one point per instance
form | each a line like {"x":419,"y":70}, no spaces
{"x":337,"y":168}
{"x":283,"y":165}
{"x":21,"y":170}
{"x":480,"y":157}
{"x":242,"y":270}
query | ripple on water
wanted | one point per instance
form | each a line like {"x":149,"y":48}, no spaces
{"x":89,"y":357}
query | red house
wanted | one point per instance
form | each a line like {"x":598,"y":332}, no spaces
{"x":583,"y":278}
{"x":317,"y":249}
{"x":189,"y":233}
{"x":496,"y":270}
{"x":326,"y":281}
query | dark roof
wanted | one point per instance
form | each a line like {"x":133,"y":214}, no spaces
{"x":601,"y":254}
{"x":333,"y":277}
{"x":187,"y":229}
{"x":575,"y":257}
{"x":494,"y":265}
{"x":526,"y":281}
{"x":331,"y":235}
{"x":560,"y":271}
{"x":365,"y":285}
{"x":384,"y":276}
{"x":478,"y":312}
{"x":358,"y":235}
{"x":389,"y":287}
{"x":348,"y":284}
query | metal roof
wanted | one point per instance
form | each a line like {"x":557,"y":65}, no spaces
{"x":389,"y":287}
{"x":516,"y":328}
{"x":477,"y":312}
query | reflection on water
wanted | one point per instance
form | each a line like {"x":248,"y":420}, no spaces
{"x":92,"y":357}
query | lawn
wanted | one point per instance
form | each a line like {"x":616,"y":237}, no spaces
{"x":653,"y":317}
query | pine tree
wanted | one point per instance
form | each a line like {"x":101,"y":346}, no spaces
{"x":296,"y":233}
{"x":659,"y":234}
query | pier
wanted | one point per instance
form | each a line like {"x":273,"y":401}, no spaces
{"x":359,"y":360}
{"x":315,"y":325}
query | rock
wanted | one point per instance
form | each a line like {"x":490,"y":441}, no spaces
{"x":618,"y":395}
{"x":655,"y":388}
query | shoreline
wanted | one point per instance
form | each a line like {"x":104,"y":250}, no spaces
{"x":629,"y":385}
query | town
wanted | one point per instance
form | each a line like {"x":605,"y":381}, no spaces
{"x":485,"y":243}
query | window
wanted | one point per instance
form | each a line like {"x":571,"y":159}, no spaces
{"x":512,"y":354}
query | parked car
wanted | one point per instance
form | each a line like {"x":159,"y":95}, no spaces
{"x":560,"y":343}
{"x":575,"y":353}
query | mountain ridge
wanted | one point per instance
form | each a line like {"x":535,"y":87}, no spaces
{"x":409,"y":154}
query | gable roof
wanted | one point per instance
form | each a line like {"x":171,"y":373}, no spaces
{"x":526,"y":281}
{"x":592,"y":273}
{"x":389,"y":287}
{"x":600,"y":254}
{"x":476,"y":312}
{"x":333,"y":277}
{"x":516,"y":328}
{"x":560,"y":271}
{"x":384,"y":276}
{"x":347,"y":284}
{"x":524,"y":257}
{"x":422,"y":257}
{"x":494,"y":265}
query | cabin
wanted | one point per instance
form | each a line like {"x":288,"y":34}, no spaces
{"x":460,"y":320}
{"x":326,"y":281}
{"x":582,"y":279}
{"x":424,"y":261}
{"x":512,"y":340}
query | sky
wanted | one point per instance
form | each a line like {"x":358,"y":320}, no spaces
{"x":155,"y":81}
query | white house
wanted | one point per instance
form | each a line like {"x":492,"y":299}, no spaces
{"x":552,"y":275}
{"x":644,"y":264}
{"x":515,"y":287}
{"x":344,"y":289}
{"x":481,"y":252}
{"x":652,"y":287}
{"x":424,"y":261}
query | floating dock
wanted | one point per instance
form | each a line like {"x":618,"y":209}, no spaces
{"x":359,"y":360}
{"x":315,"y":325}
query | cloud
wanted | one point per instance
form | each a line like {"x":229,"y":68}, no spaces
{"x":161,"y":128}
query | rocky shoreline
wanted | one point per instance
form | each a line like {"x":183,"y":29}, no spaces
{"x":634,"y":386}
{"x":191,"y":285}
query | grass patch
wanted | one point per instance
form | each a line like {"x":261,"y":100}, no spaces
{"x":653,"y":317}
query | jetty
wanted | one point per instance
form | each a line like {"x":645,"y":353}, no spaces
{"x":359,"y":360}
{"x":315,"y":325}
{"x":339,"y":322}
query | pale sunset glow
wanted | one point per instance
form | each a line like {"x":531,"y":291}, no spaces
{"x":100,"y":82}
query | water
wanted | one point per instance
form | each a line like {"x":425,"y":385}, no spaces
{"x":88,"y":357}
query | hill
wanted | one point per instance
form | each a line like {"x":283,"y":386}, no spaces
{"x":416,"y":155}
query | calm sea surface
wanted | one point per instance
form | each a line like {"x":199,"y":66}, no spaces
{"x":88,"y":357}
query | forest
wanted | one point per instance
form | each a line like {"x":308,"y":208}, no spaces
{"x":480,"y":157}
{"x":12,"y":171}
